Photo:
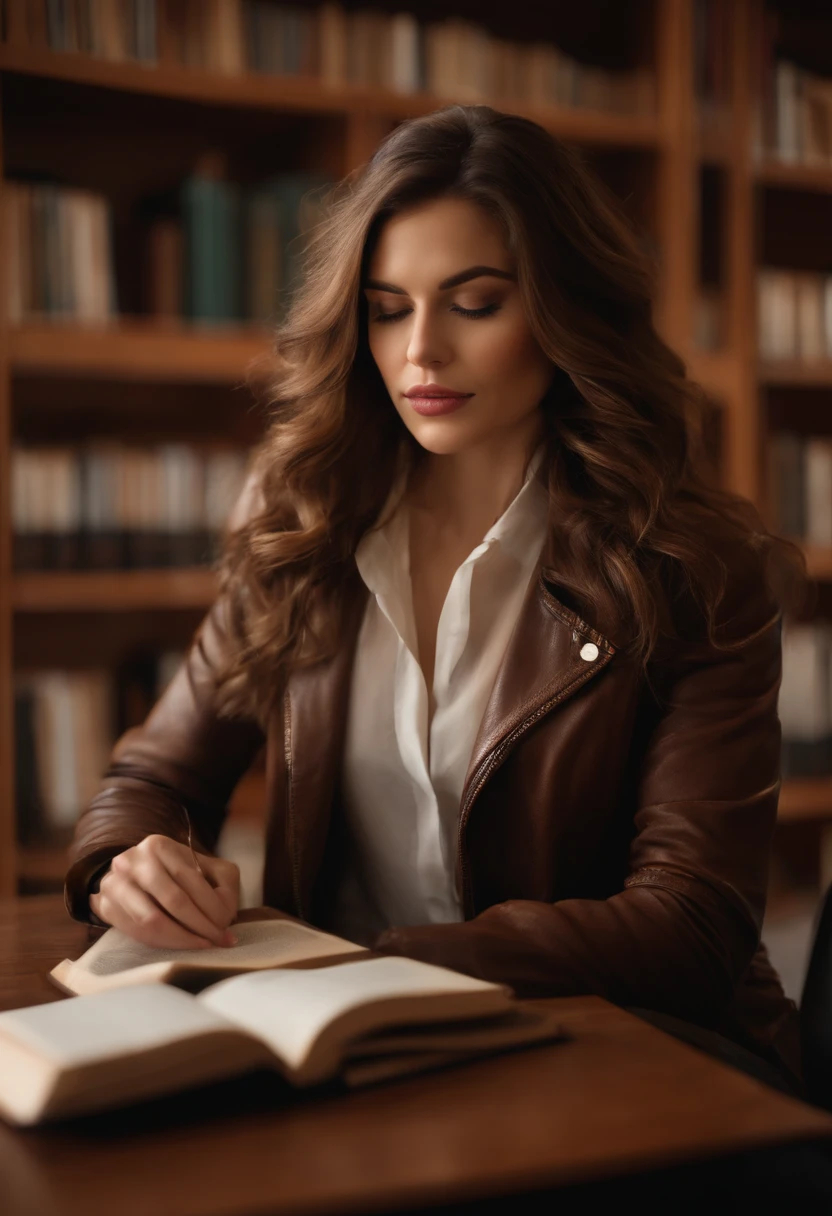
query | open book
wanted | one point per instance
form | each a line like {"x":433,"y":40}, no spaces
{"x":273,"y":941}
{"x":367,"y":1020}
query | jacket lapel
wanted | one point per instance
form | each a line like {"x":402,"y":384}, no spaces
{"x":314,"y":723}
{"x":552,"y":653}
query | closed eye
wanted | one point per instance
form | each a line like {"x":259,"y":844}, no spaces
{"x":473,"y":313}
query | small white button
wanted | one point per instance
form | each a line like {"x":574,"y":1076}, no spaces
{"x":589,"y":651}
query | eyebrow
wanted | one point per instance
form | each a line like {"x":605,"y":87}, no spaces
{"x":462,"y":276}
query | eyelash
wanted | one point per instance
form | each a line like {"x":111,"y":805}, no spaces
{"x":474,"y":314}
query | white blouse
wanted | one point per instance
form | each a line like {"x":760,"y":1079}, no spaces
{"x":403,"y":782}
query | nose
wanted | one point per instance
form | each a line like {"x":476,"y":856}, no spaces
{"x":426,"y":344}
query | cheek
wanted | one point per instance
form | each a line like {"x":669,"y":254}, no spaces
{"x":511,"y":360}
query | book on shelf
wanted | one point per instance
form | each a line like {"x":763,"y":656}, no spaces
{"x":805,"y":700}
{"x":792,"y":107}
{"x":454,"y":57}
{"x":360,"y":1018}
{"x":65,"y":725}
{"x":787,"y":482}
{"x":800,"y":486}
{"x":112,"y":505}
{"x":64,"y":731}
{"x":60,"y":261}
{"x":794,"y":315}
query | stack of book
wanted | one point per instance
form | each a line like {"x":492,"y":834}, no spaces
{"x":110,"y":505}
{"x":363,"y":46}
{"x":65,"y":725}
{"x":805,"y":700}
{"x":800,"y":481}
{"x":794,"y":315}
{"x":307,"y":1004}
{"x":793,"y":112}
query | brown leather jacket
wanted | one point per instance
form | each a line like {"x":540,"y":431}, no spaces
{"x":614,"y":832}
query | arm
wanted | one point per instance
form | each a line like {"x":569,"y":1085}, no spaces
{"x":181,"y":764}
{"x":685,"y":925}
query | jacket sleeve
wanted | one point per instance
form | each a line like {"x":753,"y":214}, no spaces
{"x":685,"y":925}
{"x":181,"y":765}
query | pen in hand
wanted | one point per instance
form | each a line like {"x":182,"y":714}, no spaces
{"x":162,"y":893}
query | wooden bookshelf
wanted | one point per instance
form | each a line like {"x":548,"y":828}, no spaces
{"x":273,"y":93}
{"x":806,"y":798}
{"x":113,"y":591}
{"x":654,"y":161}
{"x":796,"y":371}
{"x":789,"y":176}
{"x":134,"y":349}
{"x":42,"y":867}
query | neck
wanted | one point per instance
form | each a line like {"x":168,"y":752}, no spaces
{"x":466,"y":492}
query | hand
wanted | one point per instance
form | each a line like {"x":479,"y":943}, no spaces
{"x":154,"y":893}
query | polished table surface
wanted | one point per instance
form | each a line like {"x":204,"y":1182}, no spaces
{"x":619,"y":1097}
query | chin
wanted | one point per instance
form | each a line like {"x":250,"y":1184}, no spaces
{"x":441,"y":437}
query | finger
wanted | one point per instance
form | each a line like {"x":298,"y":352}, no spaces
{"x":213,"y":904}
{"x":95,"y":905}
{"x":125,"y":906}
{"x":226,"y":875}
{"x":152,"y":876}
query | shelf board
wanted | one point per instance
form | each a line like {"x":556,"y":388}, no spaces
{"x":113,"y":590}
{"x":42,"y":864}
{"x":137,"y":350}
{"x":806,"y":798}
{"x":310,"y":95}
{"x":796,"y":371}
{"x":788,"y":175}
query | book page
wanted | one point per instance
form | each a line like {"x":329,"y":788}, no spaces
{"x":264,"y":943}
{"x":80,"y":1030}
{"x":290,"y":1011}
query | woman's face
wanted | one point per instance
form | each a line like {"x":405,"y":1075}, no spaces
{"x":444,"y":309}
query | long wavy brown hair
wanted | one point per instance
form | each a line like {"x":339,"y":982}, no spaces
{"x":631,"y":488}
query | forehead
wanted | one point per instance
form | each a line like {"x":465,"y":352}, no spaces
{"x":431,"y":240}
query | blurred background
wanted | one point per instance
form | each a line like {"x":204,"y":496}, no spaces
{"x":162,"y":165}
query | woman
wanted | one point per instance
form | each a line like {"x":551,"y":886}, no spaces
{"x":513,"y":657}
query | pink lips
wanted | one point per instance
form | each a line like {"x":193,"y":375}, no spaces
{"x":431,"y":400}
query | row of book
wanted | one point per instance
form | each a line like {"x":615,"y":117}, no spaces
{"x":794,"y":315}
{"x":214,"y":251}
{"x":805,"y":700}
{"x":109,"y":505}
{"x":793,"y":107}
{"x":800,"y":486}
{"x":65,"y":725}
{"x":454,"y":58}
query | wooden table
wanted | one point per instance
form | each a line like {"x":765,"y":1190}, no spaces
{"x":620,"y":1097}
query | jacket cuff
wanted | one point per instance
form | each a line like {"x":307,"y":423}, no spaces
{"x":81,"y":880}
